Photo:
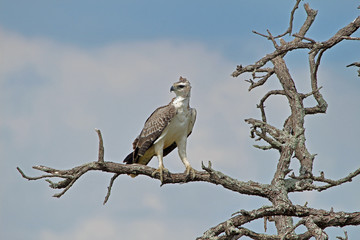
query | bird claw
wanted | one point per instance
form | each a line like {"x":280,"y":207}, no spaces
{"x":190,"y":172}
{"x":161,"y":171}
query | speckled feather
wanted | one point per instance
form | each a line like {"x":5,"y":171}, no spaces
{"x":153,"y":128}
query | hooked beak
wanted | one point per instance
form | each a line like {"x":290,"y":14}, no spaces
{"x":172,"y":89}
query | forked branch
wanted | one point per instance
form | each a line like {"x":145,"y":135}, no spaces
{"x":328,"y":182}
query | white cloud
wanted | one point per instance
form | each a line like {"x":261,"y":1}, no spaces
{"x":153,"y":202}
{"x":103,"y":228}
{"x":90,"y":229}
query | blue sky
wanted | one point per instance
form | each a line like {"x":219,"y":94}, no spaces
{"x":92,"y":24}
{"x":68,"y":67}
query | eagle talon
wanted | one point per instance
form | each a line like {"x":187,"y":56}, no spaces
{"x":161,"y":171}
{"x":190,"y":172}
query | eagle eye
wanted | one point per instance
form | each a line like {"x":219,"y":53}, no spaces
{"x":181,"y":86}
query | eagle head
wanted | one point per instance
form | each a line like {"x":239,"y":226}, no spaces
{"x":181,"y":88}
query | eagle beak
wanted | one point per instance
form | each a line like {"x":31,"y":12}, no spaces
{"x":172,"y":89}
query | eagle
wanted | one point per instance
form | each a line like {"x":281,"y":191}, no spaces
{"x":167,"y":127}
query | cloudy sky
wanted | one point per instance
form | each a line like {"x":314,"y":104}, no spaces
{"x":67,"y":67}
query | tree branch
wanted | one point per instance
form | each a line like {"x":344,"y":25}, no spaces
{"x":301,"y":222}
{"x":306,"y":185}
{"x":70,"y":176}
{"x":289,"y":30}
{"x":321,"y":218}
{"x":344,"y":238}
{"x":315,"y":231}
{"x":209,"y":175}
{"x":356,"y":64}
{"x":262,"y":80}
{"x":101,"y":146}
{"x":278,"y":136}
{"x":297,"y":44}
{"x":283,"y":49}
{"x":262,"y":101}
{"x":110,"y":187}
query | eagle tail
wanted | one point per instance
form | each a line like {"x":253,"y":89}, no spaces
{"x":130,"y":160}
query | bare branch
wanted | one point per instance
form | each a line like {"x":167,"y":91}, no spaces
{"x":314,"y":229}
{"x":321,"y":218}
{"x":351,"y":38}
{"x":344,"y":238}
{"x":314,"y":66}
{"x":42,"y":176}
{"x":271,"y":37}
{"x":311,"y":14}
{"x":310,"y":93}
{"x":262,"y":80}
{"x":209,"y":175}
{"x":283,"y":49}
{"x":301,"y":222}
{"x":268,"y":147}
{"x":262,"y":101}
{"x":303,"y":37}
{"x":342,"y":34}
{"x":297,"y":44}
{"x":249,"y":188}
{"x":101,"y":146}
{"x":260,"y":34}
{"x":279,"y":136}
{"x":237,"y":233}
{"x":289,"y":30}
{"x":356,"y":64}
{"x":109,"y":187}
{"x":330,"y":182}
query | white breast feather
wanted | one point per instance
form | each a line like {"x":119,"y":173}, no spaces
{"x":178,"y":127}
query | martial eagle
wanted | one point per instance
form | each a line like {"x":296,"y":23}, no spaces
{"x":167,"y":128}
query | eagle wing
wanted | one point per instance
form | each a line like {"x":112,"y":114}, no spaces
{"x":153,"y":128}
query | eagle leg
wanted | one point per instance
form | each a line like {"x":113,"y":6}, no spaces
{"x":161,"y":168}
{"x":190,"y":172}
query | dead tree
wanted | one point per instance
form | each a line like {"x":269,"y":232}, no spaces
{"x":289,"y":141}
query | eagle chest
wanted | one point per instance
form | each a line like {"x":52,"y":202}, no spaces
{"x":182,"y":115}
{"x":180,"y":122}
{"x":177,"y":128}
